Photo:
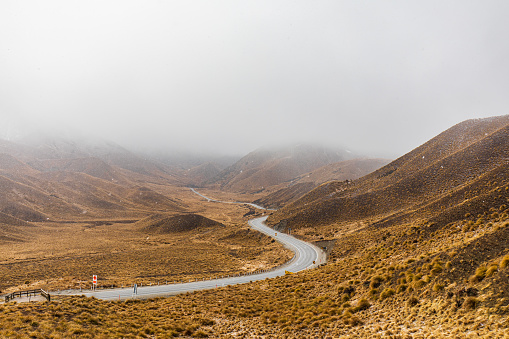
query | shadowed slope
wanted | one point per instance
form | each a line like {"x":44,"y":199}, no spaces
{"x":448,"y":175}
{"x":264,"y":168}
{"x":65,"y":180}
{"x":163,"y":224}
{"x":341,"y":171}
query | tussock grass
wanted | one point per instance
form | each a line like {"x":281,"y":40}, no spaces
{"x":329,"y":301}
{"x":122,"y":254}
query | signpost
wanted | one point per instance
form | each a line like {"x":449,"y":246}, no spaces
{"x":94,"y":281}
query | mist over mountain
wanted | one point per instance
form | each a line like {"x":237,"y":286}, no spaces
{"x":53,"y":178}
{"x":346,"y":170}
{"x":75,"y":176}
{"x":188,"y":159}
{"x":462,"y":170}
{"x":113,"y":112}
{"x":266,"y":167}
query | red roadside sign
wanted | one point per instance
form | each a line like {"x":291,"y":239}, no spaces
{"x":94,"y":279}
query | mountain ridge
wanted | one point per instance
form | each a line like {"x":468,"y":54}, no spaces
{"x":431,"y":169}
{"x":267,"y":167}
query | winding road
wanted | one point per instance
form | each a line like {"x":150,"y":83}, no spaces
{"x":306,"y":256}
{"x":231,"y":202}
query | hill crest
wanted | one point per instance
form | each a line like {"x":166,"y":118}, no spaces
{"x":267,"y":167}
{"x":453,"y":167}
{"x":164,"y":224}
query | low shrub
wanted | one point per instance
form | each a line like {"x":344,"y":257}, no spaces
{"x":412,"y":301}
{"x":354,"y":321}
{"x":438,"y":287}
{"x":376,"y":282}
{"x":505,"y":262}
{"x":362,"y":305}
{"x":388,"y":292}
{"x":401,"y":288}
{"x":419,"y":283}
{"x":480,"y":274}
{"x":491,"y":270}
{"x":471,"y":303}
{"x":437,"y":269}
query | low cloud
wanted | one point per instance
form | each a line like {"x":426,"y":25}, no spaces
{"x":229,"y":77}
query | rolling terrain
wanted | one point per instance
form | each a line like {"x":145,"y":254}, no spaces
{"x":463,"y":170}
{"x":69,"y":209}
{"x":338,"y":171}
{"x":201,"y":174}
{"x":275,"y":177}
{"x":268,"y":167}
{"x":417,"y":249}
{"x":63,"y":180}
{"x":163,"y":224}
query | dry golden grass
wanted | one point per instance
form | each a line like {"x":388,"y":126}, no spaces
{"x":359,"y":294}
{"x":418,"y":274}
{"x":463,"y":170}
{"x":66,"y":255}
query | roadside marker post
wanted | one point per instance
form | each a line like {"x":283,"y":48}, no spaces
{"x":80,"y":281}
{"x":94,"y":281}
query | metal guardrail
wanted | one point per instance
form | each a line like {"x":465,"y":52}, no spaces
{"x":28,"y":293}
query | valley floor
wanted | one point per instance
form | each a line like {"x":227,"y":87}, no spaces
{"x":65,"y":255}
{"x":378,"y":284}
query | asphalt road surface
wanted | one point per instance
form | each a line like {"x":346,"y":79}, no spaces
{"x":306,"y":256}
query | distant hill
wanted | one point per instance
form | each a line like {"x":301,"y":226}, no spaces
{"x":186,"y":160}
{"x":201,"y":174}
{"x":343,"y":170}
{"x":164,"y":224}
{"x":464,"y":170}
{"x":267,"y":167}
{"x":91,"y":166}
{"x":60,"y":179}
{"x":39,"y":149}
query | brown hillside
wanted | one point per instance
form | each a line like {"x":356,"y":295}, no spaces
{"x":343,"y":170}
{"x":201,"y":174}
{"x":451,"y":174}
{"x":147,"y":197}
{"x":92,"y":166}
{"x":10,"y":164}
{"x":94,"y":197}
{"x":83,"y":155}
{"x":64,"y":180}
{"x":24,"y":202}
{"x":16,"y":170}
{"x":163,"y":224}
{"x":263,"y":168}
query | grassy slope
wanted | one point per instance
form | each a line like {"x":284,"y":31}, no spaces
{"x":451,"y":171}
{"x":263,"y":168}
{"x":377,"y":286}
{"x":339,"y":171}
{"x":406,"y":267}
{"x":63,"y":219}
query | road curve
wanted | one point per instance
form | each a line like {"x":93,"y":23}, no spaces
{"x":231,"y":202}
{"x":306,"y":256}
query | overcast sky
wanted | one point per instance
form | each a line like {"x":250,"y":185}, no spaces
{"x":381,"y":77}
